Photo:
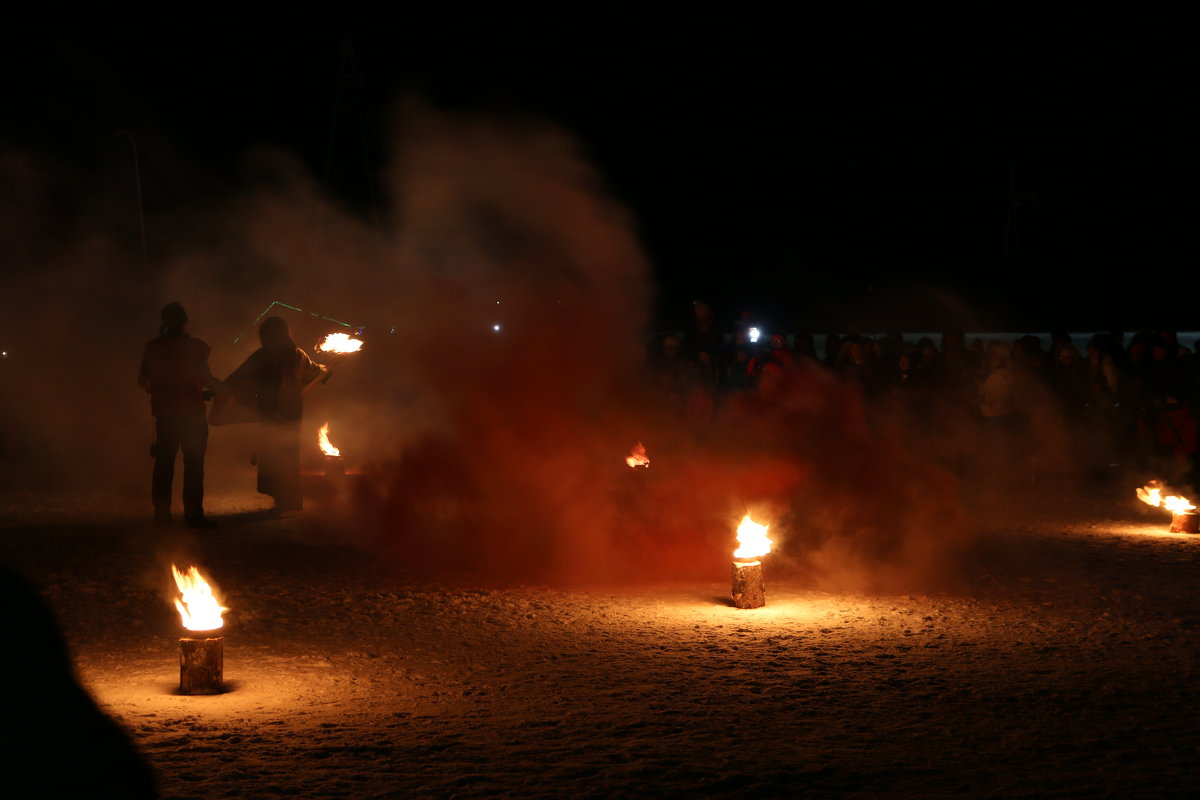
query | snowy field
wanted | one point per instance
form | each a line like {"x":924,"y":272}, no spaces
{"x":1060,"y":663}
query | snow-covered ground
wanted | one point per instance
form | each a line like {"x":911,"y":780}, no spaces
{"x":1063,"y":664}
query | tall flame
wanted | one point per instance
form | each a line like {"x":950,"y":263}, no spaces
{"x":199,"y":610}
{"x":340,"y":343}
{"x":753,"y":539}
{"x":637,"y":457}
{"x":323,"y":442}
{"x":1151,"y":494}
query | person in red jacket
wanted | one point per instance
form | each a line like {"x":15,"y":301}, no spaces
{"x":175,"y":372}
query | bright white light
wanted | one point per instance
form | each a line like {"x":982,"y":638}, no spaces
{"x":754,"y":333}
{"x":496,"y":327}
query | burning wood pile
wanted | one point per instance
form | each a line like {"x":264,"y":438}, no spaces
{"x":638,"y":458}
{"x":201,"y":653}
{"x":335,"y":464}
{"x":753,"y":543}
{"x":1184,"y":518}
{"x":748,"y":589}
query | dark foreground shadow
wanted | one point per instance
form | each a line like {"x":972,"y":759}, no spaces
{"x":54,"y":741}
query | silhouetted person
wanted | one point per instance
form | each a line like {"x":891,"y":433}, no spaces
{"x":737,"y":361}
{"x":175,"y":372}
{"x":833,"y":346}
{"x":670,"y":372}
{"x":855,"y":367}
{"x":702,"y":336}
{"x":1106,"y":418}
{"x":1168,"y":387}
{"x":805,"y":347}
{"x":908,"y":376}
{"x":54,"y":741}
{"x":1000,"y":408}
{"x":272,"y":381}
{"x":928,"y":362}
{"x":1068,"y":378}
{"x":1027,"y":354}
{"x":890,"y":348}
{"x":770,"y":365}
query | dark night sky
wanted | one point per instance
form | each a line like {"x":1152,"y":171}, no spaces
{"x":822,"y":166}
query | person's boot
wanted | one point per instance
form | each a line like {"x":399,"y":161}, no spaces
{"x":162,"y":517}
{"x":199,"y":521}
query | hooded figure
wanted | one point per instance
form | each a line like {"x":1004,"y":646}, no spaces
{"x":272,"y":382}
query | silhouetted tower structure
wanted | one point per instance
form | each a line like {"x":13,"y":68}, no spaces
{"x":347,"y":173}
{"x":1015,"y":218}
{"x":137,"y":179}
{"x":348,"y":134}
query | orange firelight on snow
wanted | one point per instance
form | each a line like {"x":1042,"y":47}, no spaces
{"x":340,"y":343}
{"x":198,"y":607}
{"x":752,"y":539}
{"x":1152,"y":494}
{"x":323,"y":442}
{"x":637,"y":457}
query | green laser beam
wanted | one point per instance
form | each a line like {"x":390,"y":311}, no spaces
{"x":274,"y":303}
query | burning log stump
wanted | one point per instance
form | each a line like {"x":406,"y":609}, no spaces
{"x":201,"y":664}
{"x":335,"y":467}
{"x":1185,"y":522}
{"x":748,"y":591}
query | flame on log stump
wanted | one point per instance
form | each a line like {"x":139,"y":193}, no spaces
{"x":748,"y":591}
{"x":201,"y":664}
{"x":1187,"y":522}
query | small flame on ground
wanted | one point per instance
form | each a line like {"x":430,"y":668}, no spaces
{"x":199,"y":609}
{"x":752,"y":538}
{"x":637,"y":457}
{"x":1152,"y":494}
{"x":340,"y":343}
{"x":323,"y":442}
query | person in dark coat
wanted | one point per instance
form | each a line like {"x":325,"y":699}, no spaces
{"x":174,"y":371}
{"x":272,"y":381}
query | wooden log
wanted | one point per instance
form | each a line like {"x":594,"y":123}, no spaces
{"x":748,"y":591}
{"x":1187,"y":522}
{"x":335,"y":467}
{"x":201,"y":664}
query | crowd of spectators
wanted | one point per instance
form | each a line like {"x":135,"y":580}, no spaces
{"x":1122,"y":402}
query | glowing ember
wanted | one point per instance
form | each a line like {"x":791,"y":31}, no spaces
{"x":340,"y":343}
{"x":198,"y":608}
{"x":637,"y":457}
{"x":753,"y":539}
{"x":1152,"y":494}
{"x":323,"y":442}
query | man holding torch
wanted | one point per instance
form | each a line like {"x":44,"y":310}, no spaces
{"x":175,"y":373}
